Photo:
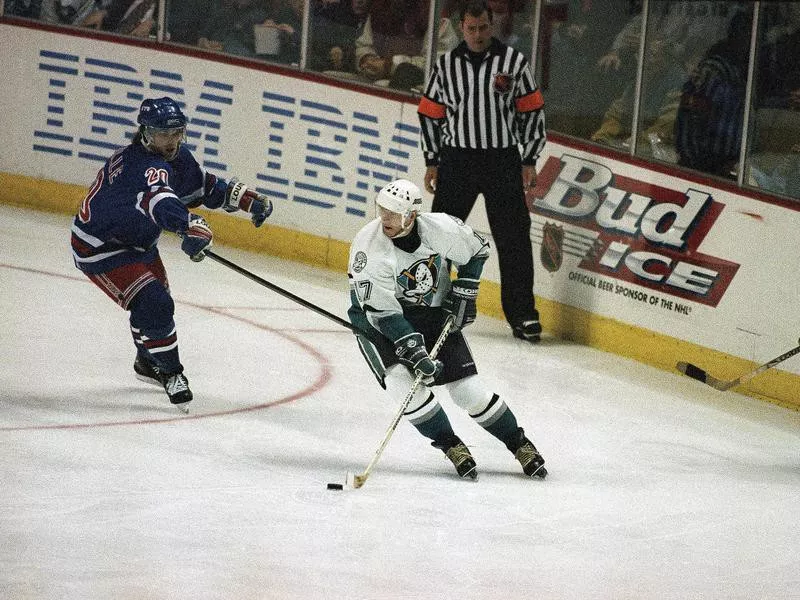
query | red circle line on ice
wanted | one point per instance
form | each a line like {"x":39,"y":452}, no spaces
{"x":319,"y":383}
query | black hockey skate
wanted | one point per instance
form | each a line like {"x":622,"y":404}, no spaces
{"x":460,"y":456}
{"x":528,"y":456}
{"x":530,"y":331}
{"x":147,"y":371}
{"x":177,"y":388}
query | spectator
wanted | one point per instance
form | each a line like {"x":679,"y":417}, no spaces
{"x":229,"y":27}
{"x":29,"y":9}
{"x":186,"y":18}
{"x":678,"y":33}
{"x":625,"y":45}
{"x":708,"y":128}
{"x":775,"y":149}
{"x":130,"y":17}
{"x":512,"y":25}
{"x":336,"y":24}
{"x":664,"y":75}
{"x":390,"y":51}
{"x":286,"y":16}
{"x":578,"y":90}
{"x":67,"y":12}
{"x":778,"y":78}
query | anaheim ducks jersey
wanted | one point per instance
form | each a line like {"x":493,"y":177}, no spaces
{"x":392,"y":278}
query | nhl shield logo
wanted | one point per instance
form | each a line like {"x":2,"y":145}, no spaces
{"x":552,"y":246}
{"x":502,"y":83}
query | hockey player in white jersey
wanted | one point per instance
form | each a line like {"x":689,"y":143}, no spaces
{"x":401,"y":294}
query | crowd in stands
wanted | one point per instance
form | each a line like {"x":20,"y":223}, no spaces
{"x":692,"y":92}
{"x":775,"y":145}
{"x":691,"y":95}
{"x":128,"y":17}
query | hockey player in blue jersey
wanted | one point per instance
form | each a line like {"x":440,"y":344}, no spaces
{"x":401,"y":293}
{"x":144,"y":189}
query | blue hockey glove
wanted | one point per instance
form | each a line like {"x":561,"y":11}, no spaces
{"x":411,"y":352}
{"x":260,"y":209}
{"x":460,"y":302}
{"x":239,"y":197}
{"x":196,"y":238}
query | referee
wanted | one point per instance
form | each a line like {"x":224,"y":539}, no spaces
{"x":481,"y":105}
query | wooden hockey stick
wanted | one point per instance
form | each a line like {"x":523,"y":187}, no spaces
{"x":280,"y":290}
{"x":358,"y":480}
{"x":718,"y":384}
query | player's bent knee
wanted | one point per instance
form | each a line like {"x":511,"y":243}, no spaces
{"x":399,"y":382}
{"x":470,"y":394}
{"x":152,"y":307}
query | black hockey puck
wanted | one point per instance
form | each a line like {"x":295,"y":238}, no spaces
{"x":335,"y":486}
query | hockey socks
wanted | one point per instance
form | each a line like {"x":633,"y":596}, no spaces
{"x":437,"y":428}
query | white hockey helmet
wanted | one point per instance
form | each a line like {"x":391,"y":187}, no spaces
{"x":402,"y":197}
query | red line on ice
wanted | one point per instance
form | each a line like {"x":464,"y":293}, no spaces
{"x":321,"y":381}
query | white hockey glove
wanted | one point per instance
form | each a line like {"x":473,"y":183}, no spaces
{"x":197,"y":238}
{"x":239,"y":197}
{"x":461,"y":302}
{"x":411,"y":352}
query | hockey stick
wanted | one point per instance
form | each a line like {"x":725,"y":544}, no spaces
{"x":694,"y":372}
{"x":358,"y":480}
{"x":280,"y":290}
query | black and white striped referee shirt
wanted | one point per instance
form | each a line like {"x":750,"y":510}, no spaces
{"x":494,"y":103}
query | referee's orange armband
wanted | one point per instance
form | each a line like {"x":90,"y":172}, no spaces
{"x":530,"y":102}
{"x":431,"y":109}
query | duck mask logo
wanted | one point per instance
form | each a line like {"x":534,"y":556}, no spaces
{"x":420,"y":280}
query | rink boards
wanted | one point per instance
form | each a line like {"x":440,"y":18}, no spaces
{"x":646,"y":263}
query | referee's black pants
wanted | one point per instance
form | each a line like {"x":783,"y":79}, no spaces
{"x":497,"y":174}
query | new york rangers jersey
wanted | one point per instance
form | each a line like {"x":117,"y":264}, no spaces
{"x":135,"y":196}
{"x":390,"y":278}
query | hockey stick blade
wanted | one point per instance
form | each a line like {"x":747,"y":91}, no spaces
{"x":696,"y":372}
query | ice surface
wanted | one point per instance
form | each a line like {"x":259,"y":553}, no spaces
{"x":659,"y":486}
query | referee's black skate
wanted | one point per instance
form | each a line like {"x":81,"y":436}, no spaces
{"x":530,"y":331}
{"x":528,"y":456}
{"x":177,"y":388}
{"x":461,"y":458}
{"x":147,"y":371}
